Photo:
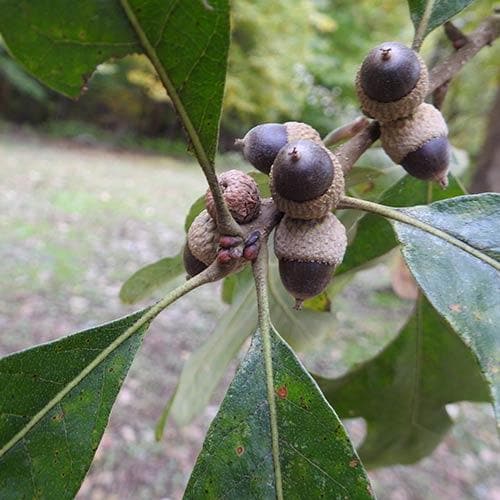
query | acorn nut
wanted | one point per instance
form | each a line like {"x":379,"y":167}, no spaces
{"x":306,"y":180}
{"x":419,"y":144}
{"x":202,"y":244}
{"x":262,"y":143}
{"x":391,"y":82}
{"x":308,"y":252}
{"x":241,"y":195}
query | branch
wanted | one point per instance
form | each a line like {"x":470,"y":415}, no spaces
{"x":485,"y":34}
{"x":489,"y":30}
{"x":346,"y":131}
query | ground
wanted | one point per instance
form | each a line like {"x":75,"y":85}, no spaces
{"x":76,"y":221}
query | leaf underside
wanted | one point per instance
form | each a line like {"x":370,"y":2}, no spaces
{"x":463,"y":288}
{"x":50,"y":459}
{"x":402,"y":392}
{"x":317,"y":459}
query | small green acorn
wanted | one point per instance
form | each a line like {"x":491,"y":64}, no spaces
{"x":306,"y":180}
{"x":262,"y":143}
{"x":419,"y":144}
{"x":308,"y":252}
{"x":391,"y":82}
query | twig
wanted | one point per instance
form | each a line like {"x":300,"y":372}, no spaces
{"x":346,"y":131}
{"x":484,"y":35}
{"x":349,"y":152}
{"x":458,"y":39}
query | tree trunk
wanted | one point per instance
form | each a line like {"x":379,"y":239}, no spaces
{"x":487,"y":174}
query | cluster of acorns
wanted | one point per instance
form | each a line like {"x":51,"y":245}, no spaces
{"x":391,"y":85}
{"x":307,"y":181}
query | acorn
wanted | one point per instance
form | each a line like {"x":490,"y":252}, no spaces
{"x":241,"y":195}
{"x":391,"y":82}
{"x":419,"y":144}
{"x":262,"y":143}
{"x":306,"y":180}
{"x":308,"y":252}
{"x":202,"y":244}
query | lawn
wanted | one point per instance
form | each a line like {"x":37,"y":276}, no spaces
{"x":76,"y":221}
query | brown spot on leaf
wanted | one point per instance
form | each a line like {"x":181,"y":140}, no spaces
{"x":354,"y":462}
{"x":282,"y":392}
{"x":240,"y":450}
{"x":456,"y":308}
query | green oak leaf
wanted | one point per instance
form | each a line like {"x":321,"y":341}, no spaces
{"x":144,"y":282}
{"x":54,"y":406}
{"x":402,"y":392}
{"x":427,"y":15}
{"x":186,"y":42}
{"x":315,"y":455}
{"x":461,"y":282}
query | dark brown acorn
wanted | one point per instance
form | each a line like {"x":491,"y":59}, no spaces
{"x":308,"y":252}
{"x":192,"y":265}
{"x":306,"y":180}
{"x":391,"y":82}
{"x":419,"y":144}
{"x":262,"y":143}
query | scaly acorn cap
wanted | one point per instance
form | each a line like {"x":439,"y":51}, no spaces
{"x":317,"y":207}
{"x":262,"y":143}
{"x":308,"y":253}
{"x":316,"y":240}
{"x":391,"y":82}
{"x":241,"y":195}
{"x":419,"y":143}
{"x":203,"y":238}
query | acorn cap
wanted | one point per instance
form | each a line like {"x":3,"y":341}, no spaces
{"x":321,"y":240}
{"x":295,"y":131}
{"x":203,"y":238}
{"x":262,"y":143}
{"x":317,"y":207}
{"x":241,"y":195}
{"x":384,"y":81}
{"x":406,"y":135}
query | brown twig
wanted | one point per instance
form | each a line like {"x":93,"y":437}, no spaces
{"x":458,"y":39}
{"x":346,"y":131}
{"x":349,"y":152}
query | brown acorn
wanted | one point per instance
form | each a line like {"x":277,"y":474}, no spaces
{"x":306,"y":180}
{"x":308,"y":252}
{"x":262,"y":143}
{"x":419,"y":144}
{"x":391,"y":82}
{"x":241,"y":195}
{"x":202,"y":244}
